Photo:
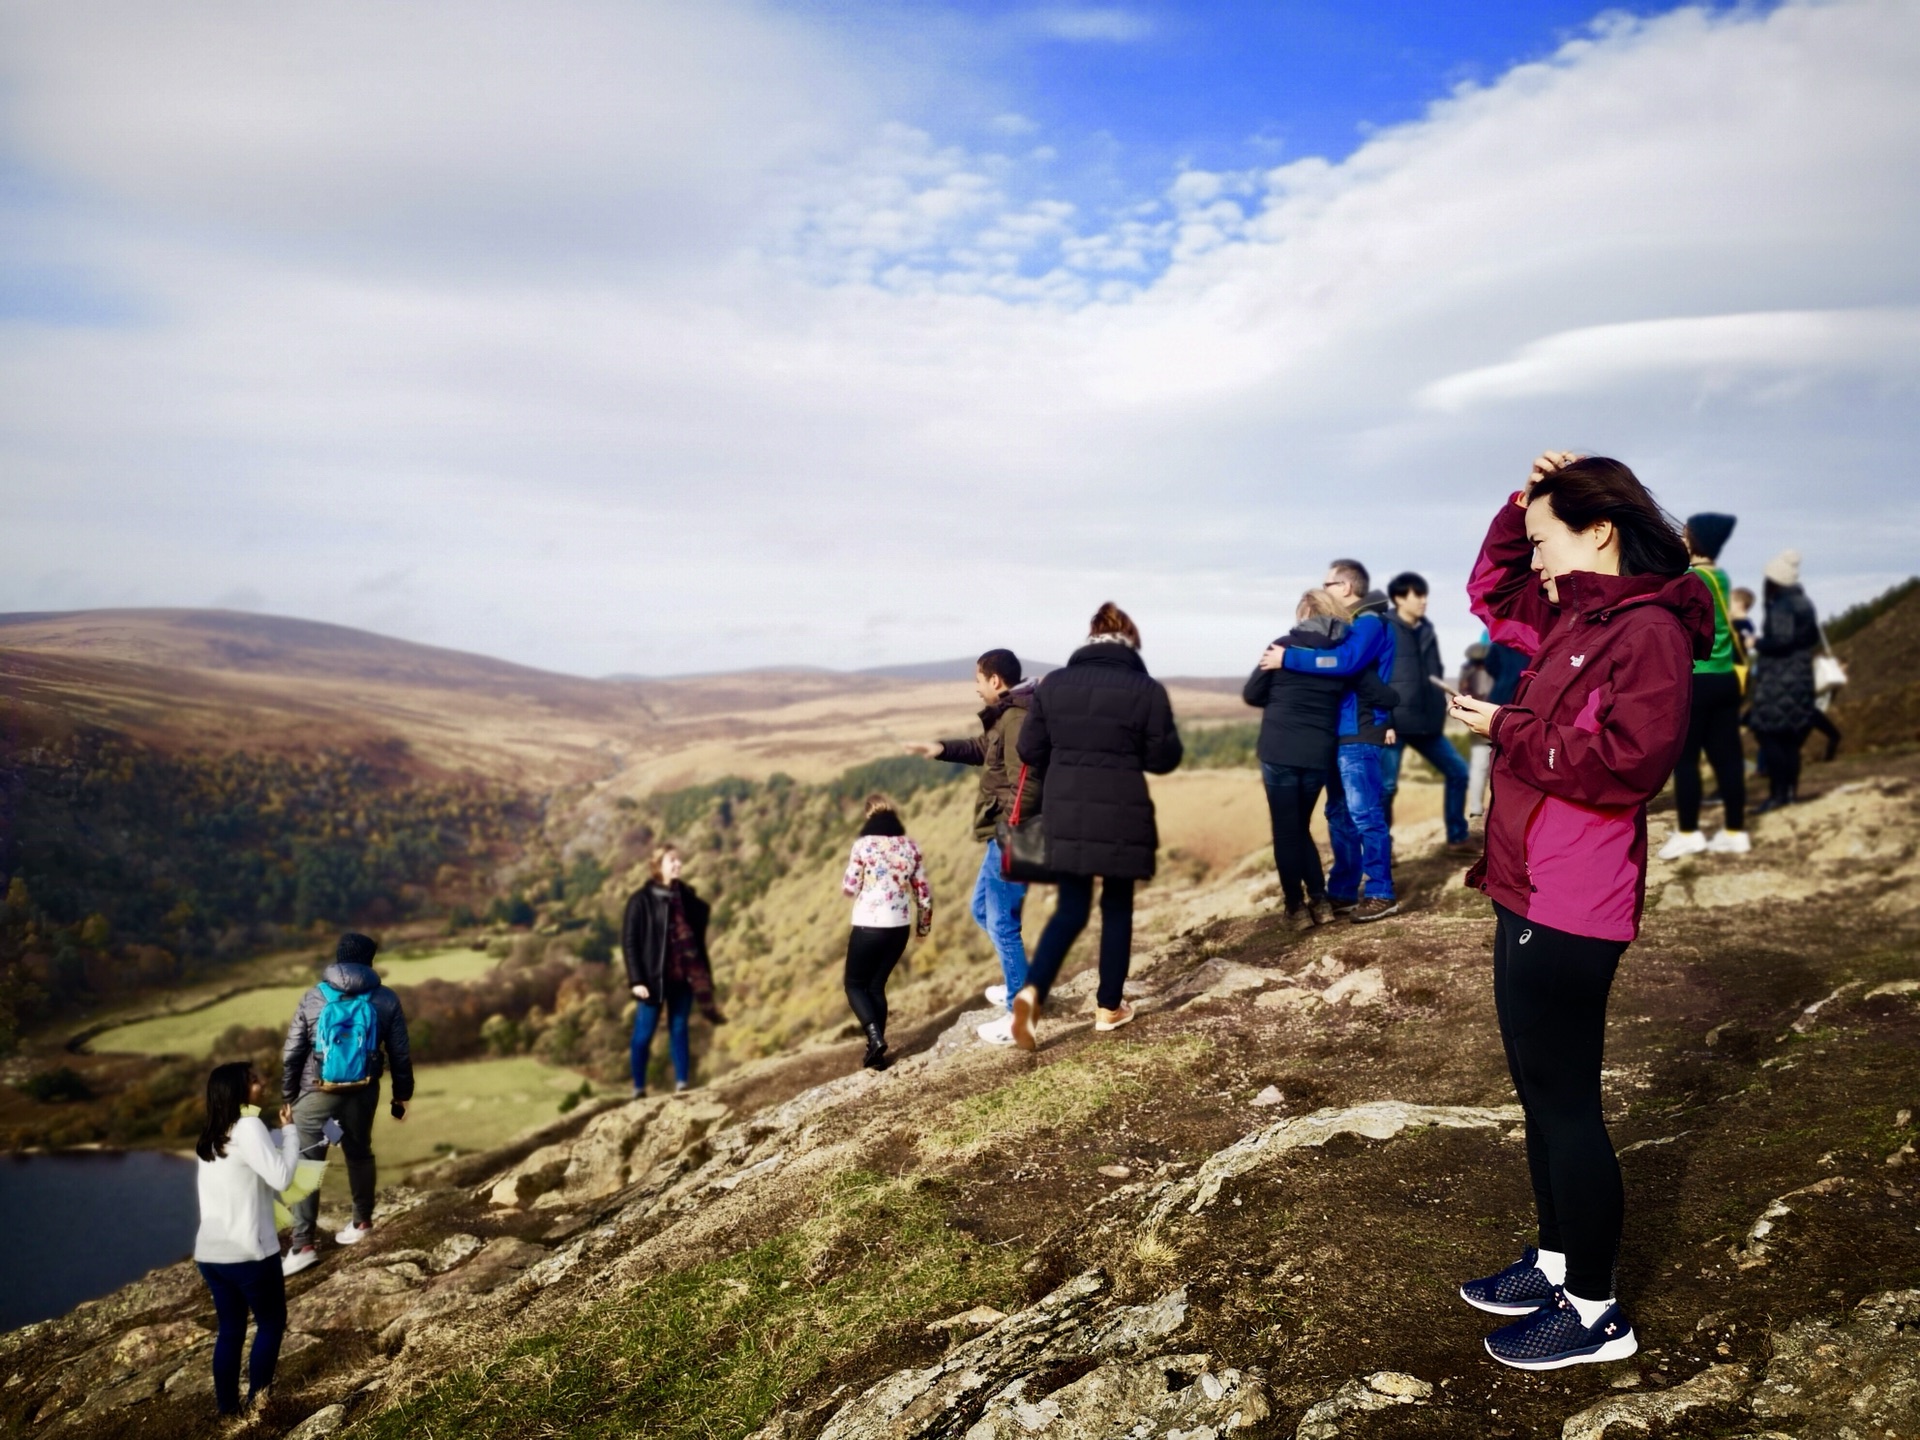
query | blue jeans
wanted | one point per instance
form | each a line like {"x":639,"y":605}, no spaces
{"x":238,"y":1287}
{"x":646,"y":1019}
{"x":1292,"y":791}
{"x":1357,"y":823}
{"x":997,"y":904}
{"x":1440,"y":754}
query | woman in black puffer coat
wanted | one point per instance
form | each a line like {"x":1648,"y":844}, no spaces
{"x":1782,"y":707}
{"x":1097,"y":728}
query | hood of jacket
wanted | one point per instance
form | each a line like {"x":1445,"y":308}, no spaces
{"x":1120,"y":657}
{"x":350,"y":978}
{"x":1593,"y":598}
{"x":1019,"y":697}
{"x":1374,"y":603}
{"x":1318,"y":632}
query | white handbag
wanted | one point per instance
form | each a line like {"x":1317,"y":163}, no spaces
{"x":1828,"y":673}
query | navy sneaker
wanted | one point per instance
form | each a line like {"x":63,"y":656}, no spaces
{"x":1520,"y":1289}
{"x":1553,"y":1337}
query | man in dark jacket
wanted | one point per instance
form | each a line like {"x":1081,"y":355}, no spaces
{"x":998,"y":903}
{"x":316,"y":1100}
{"x":1420,"y":719}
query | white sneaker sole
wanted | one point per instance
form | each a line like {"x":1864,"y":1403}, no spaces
{"x":1002,"y":1037}
{"x":289,"y":1267}
{"x":1492,"y":1309}
{"x":351,"y":1236}
{"x":1619,"y":1349}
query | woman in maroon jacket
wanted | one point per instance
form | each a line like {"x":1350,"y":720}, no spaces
{"x":1583,"y":571}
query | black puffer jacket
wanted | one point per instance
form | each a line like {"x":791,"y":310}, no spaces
{"x":300,"y":1067}
{"x":1422,"y":707}
{"x":1783,"y":668}
{"x":1098,"y":727}
{"x":1300,"y":719}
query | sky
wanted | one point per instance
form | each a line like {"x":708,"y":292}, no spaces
{"x":653,"y":338}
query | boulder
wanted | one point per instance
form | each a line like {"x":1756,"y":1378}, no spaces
{"x":321,"y":1422}
{"x":1378,"y":1391}
{"x":1164,"y":1396}
{"x":1860,"y":1375}
{"x":1654,"y":1410}
{"x":1358,"y":989}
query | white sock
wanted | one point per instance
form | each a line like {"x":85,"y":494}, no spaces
{"x":1590,"y":1310}
{"x":1553,"y":1265}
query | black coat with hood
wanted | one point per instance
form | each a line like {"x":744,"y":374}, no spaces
{"x":1783,"y":692}
{"x":1300,"y":717}
{"x":1422,"y":705}
{"x":300,"y":1066}
{"x":1097,"y":728}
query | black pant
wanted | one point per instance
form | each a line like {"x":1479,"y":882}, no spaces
{"x":1780,"y":749}
{"x":1713,"y":726}
{"x":1070,"y":914}
{"x":254,"y":1285}
{"x":872,"y":952}
{"x":1292,"y":792}
{"x":1550,"y":988}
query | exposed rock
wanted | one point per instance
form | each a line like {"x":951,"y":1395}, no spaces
{"x":1361,"y":988}
{"x":321,"y":1422}
{"x":1068,"y":1324}
{"x":361,"y":1298}
{"x":532,"y":1177}
{"x":621,"y":1146}
{"x":1645,"y":1413}
{"x":147,"y":1344}
{"x":1378,"y":1391}
{"x":980,"y":1317}
{"x":1856,"y":1377}
{"x":1223,"y":979}
{"x":1752,"y":1249}
{"x":451,"y":1251}
{"x":1377,"y":1120}
{"x":1288,"y":997}
{"x":1166,"y":1396}
{"x":1268,"y":1097}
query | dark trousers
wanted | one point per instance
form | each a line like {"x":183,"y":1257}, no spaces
{"x":237,"y":1288}
{"x":1713,"y":728}
{"x":1292,"y":792}
{"x":1437,"y":751}
{"x":354,"y":1109}
{"x":646,"y":1021}
{"x":872,"y":952}
{"x":1071,"y":910}
{"x":1780,"y":751}
{"x":1550,"y":989}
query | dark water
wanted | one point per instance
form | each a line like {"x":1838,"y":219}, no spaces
{"x":77,"y":1226}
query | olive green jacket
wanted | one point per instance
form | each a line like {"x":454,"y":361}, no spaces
{"x":997,"y":754}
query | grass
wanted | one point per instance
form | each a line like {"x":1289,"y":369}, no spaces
{"x":709,"y":1352}
{"x":1058,"y":1096}
{"x":193,"y":1032}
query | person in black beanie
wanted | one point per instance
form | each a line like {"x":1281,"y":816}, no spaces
{"x":1713,"y":727}
{"x":330,"y":1070}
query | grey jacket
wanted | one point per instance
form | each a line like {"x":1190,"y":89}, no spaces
{"x":300,"y":1066}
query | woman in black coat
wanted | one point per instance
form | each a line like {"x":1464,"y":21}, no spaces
{"x":1782,"y":707}
{"x":1097,"y":728}
{"x":663,"y":941}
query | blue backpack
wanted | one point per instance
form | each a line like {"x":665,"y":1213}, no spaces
{"x":345,"y":1037}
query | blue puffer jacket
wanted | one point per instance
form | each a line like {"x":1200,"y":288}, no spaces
{"x":1369,"y":643}
{"x":300,"y":1067}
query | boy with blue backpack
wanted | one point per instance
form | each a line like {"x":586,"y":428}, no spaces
{"x":331,"y":1069}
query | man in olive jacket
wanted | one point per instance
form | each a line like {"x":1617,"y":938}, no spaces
{"x":997,"y":903}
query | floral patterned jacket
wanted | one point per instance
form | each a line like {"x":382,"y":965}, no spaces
{"x":888,"y":879}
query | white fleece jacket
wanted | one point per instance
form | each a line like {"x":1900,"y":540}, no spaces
{"x":237,"y":1190}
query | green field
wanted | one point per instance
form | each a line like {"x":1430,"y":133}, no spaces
{"x":193,"y":1032}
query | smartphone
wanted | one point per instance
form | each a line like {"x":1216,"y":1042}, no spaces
{"x":1450,"y":689}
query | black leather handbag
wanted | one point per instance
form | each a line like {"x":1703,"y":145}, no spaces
{"x":1023,"y":843}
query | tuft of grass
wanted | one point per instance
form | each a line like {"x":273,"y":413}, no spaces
{"x":1153,"y":1251}
{"x":708,"y":1353}
{"x":1059,"y":1096}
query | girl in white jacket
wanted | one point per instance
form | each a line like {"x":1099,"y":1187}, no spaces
{"x":888,"y":880}
{"x":243,"y":1165}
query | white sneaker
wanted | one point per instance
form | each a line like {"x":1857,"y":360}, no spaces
{"x":354,"y":1233}
{"x":1730,"y":842}
{"x":996,"y":1032}
{"x":1683,"y":842}
{"x":294,"y":1261}
{"x":997,"y":995}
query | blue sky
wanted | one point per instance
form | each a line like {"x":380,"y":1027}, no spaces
{"x":620,"y":336}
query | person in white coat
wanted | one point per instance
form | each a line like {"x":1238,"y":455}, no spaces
{"x":243,"y":1166}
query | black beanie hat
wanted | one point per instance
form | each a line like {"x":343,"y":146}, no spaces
{"x":356,"y":949}
{"x":1709,"y":533}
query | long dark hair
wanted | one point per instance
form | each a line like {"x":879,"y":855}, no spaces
{"x":882,"y":817}
{"x":227,"y":1090}
{"x":1597,"y":488}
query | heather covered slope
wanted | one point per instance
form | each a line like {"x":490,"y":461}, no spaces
{"x":1244,"y":1215}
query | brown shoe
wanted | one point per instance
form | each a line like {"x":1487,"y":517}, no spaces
{"x":1321,"y":910}
{"x":1105,"y":1019}
{"x":1300,"y":919}
{"x":1372,"y":908}
{"x":1026,"y":1011}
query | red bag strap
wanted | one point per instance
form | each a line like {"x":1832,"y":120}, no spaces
{"x":1019,"y":794}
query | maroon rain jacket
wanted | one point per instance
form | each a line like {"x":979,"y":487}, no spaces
{"x":1591,"y":735}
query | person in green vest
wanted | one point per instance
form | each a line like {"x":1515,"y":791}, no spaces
{"x":1719,"y":685}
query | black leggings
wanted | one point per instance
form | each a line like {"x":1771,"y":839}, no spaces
{"x":1713,"y":726}
{"x":1070,"y":914}
{"x":1292,"y":792}
{"x":1550,"y":988}
{"x":872,"y":952}
{"x":1781,"y":751}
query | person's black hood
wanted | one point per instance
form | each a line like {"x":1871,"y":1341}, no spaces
{"x":1376,"y":603}
{"x":351,"y":979}
{"x":1319,"y":632}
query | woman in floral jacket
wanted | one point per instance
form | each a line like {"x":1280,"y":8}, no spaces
{"x":888,"y":881}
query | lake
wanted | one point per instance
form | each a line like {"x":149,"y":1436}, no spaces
{"x":82,"y":1224}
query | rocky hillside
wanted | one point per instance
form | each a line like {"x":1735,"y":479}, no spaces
{"x":1244,"y":1215}
{"x":1881,"y":704}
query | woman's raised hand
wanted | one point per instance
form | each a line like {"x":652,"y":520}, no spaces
{"x":1548,"y":462}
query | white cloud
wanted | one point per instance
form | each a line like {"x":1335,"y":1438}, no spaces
{"x":641,"y":337}
{"x":1097,"y":23}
